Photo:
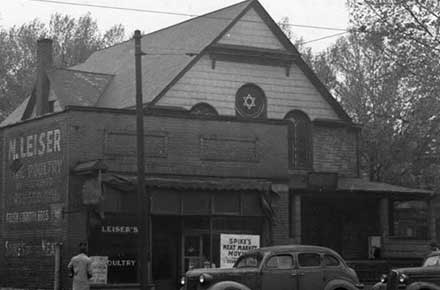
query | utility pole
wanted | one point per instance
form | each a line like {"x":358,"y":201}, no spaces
{"x":143,"y":196}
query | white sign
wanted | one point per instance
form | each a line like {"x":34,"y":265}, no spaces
{"x":233,"y":246}
{"x":99,"y":269}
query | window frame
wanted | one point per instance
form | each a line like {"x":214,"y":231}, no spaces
{"x":209,"y":110}
{"x":309,"y":267}
{"x":332,"y":256}
{"x":293,"y":140}
{"x":266,"y":267}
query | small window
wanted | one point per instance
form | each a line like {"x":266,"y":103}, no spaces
{"x":203,"y":109}
{"x":309,"y":260}
{"x":51,"y":106}
{"x":280,"y":262}
{"x":409,"y":219}
{"x":330,"y":261}
{"x":300,"y":134}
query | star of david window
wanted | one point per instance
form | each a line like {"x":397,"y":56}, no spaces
{"x":250,"y":102}
{"x":300,"y":133}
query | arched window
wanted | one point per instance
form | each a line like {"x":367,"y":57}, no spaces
{"x":250,"y":102}
{"x":203,"y":109}
{"x":301,"y":140}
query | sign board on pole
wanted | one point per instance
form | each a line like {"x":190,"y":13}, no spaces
{"x":233,"y":246}
{"x":99,"y":269}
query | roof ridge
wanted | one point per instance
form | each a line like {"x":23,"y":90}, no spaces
{"x":174,"y":25}
{"x":81,"y":71}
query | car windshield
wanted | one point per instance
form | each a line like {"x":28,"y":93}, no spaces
{"x":432,"y":261}
{"x":248,"y":261}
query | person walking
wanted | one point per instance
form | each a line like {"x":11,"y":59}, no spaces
{"x":80,"y":269}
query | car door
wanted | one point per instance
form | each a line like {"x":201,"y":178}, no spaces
{"x":279,"y":273}
{"x":310,"y":271}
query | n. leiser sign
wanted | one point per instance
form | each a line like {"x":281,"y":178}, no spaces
{"x":34,"y":181}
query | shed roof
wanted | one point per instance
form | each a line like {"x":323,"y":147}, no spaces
{"x":359,"y":184}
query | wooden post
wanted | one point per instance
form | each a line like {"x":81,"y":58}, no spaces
{"x":384,"y":217}
{"x":431,"y":221}
{"x":143,"y":197}
{"x":57,"y":267}
{"x":297,"y":217}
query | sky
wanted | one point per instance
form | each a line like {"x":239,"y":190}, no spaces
{"x":324,"y":13}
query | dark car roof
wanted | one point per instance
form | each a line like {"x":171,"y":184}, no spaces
{"x":435,"y":253}
{"x":294,"y":248}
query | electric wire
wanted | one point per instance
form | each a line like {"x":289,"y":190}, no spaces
{"x":175,"y":13}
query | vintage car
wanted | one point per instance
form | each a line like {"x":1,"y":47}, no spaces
{"x":291,"y":267}
{"x":426,"y":277}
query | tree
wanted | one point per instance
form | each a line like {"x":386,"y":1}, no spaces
{"x":317,"y":62}
{"x":73,"y":41}
{"x":388,"y":82}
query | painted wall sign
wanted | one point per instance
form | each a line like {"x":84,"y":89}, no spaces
{"x":233,"y":246}
{"x":99,"y":269}
{"x":23,"y":248}
{"x":51,"y":214}
{"x":35,"y":178}
{"x":36,"y":144}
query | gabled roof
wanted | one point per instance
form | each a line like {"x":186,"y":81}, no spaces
{"x":78,"y":88}
{"x":107,"y":77}
{"x":169,"y":52}
{"x":17,"y":114}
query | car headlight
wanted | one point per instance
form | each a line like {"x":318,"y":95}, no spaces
{"x":182,"y":281}
{"x":403,"y":278}
{"x":205,"y":278}
{"x":383,"y":278}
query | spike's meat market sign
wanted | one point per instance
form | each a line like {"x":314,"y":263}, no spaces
{"x":35,"y":180}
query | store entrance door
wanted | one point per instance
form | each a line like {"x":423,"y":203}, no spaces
{"x":195,"y":251}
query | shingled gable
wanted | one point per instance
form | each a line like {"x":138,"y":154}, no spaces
{"x":170,"y":52}
{"x":289,"y":48}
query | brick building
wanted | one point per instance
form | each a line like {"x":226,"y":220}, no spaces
{"x":240,"y":136}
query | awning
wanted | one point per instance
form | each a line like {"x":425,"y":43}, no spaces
{"x":359,"y":184}
{"x":205,"y":186}
{"x":129,"y":183}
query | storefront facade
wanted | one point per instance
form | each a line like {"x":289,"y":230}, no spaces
{"x":244,"y":147}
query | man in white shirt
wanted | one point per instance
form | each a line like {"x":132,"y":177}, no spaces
{"x":80,"y":269}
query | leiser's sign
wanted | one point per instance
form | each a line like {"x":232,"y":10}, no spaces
{"x":233,"y":246}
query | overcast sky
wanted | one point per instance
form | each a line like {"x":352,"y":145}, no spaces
{"x":328,"y":13}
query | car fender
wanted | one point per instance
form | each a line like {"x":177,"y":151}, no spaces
{"x":422,"y":285}
{"x":228,"y":285}
{"x":339,"y":283}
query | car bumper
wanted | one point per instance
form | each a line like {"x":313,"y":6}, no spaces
{"x":379,"y":286}
{"x":383,"y":286}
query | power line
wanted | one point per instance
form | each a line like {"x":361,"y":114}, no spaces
{"x":325,"y":37}
{"x":174,"y":13}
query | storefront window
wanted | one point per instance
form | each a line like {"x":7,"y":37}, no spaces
{"x":410,"y":219}
{"x":114,"y":237}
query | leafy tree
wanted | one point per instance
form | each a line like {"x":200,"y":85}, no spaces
{"x":388,"y":81}
{"x":317,"y":62}
{"x":73,"y":42}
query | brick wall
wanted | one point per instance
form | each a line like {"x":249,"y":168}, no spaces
{"x":34,"y":184}
{"x":335,"y":150}
{"x":174,"y":146}
{"x":182,"y":146}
